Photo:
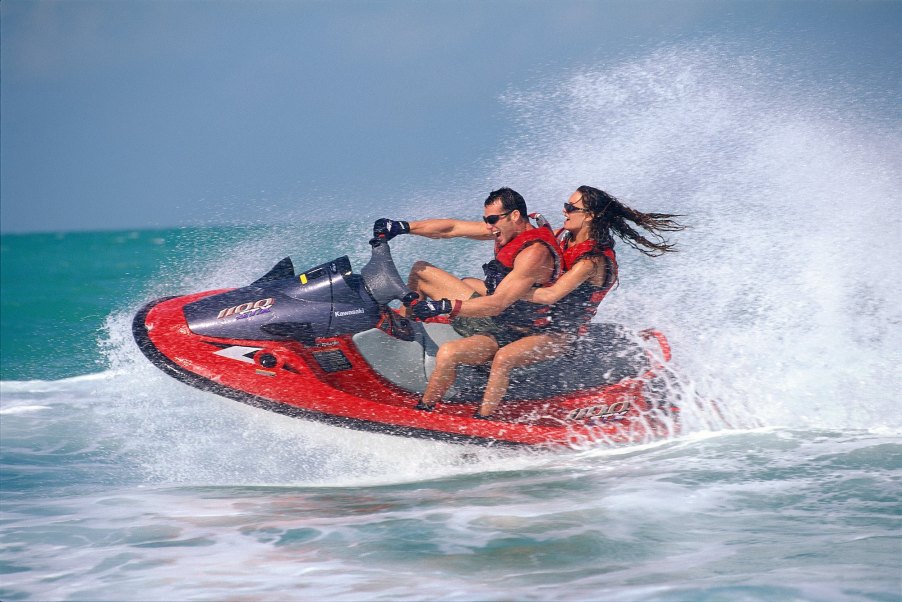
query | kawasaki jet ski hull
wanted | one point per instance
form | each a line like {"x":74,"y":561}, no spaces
{"x":268,"y":345}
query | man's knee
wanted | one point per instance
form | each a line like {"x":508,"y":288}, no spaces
{"x":420,"y":267}
{"x":449,"y":352}
{"x":419,"y":274}
{"x":477,"y":349}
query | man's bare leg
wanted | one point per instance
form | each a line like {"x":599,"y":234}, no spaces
{"x":435,"y":283}
{"x":474,"y":350}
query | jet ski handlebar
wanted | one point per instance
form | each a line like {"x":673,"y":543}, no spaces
{"x":381,"y":277}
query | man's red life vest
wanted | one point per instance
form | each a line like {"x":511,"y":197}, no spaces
{"x":507,"y":253}
{"x":522,"y":313}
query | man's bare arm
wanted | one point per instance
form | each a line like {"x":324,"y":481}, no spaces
{"x":450,"y":228}
{"x":533,"y":265}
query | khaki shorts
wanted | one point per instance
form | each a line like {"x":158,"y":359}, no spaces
{"x":502,"y":333}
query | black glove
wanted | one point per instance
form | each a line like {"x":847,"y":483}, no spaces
{"x":429,"y":308}
{"x":387,"y":229}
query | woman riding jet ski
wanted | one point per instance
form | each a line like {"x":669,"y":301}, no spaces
{"x":324,"y":345}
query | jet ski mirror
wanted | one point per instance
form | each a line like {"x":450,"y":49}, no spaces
{"x":381,"y":277}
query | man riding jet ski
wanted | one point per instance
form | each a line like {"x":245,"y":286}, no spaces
{"x":508,"y":319}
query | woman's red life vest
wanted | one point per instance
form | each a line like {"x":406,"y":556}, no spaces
{"x":576,"y":310}
{"x":522,"y":313}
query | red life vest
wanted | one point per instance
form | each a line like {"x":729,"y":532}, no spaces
{"x":507,"y":253}
{"x":522,"y":313}
{"x":571,"y":255}
{"x":577,"y":309}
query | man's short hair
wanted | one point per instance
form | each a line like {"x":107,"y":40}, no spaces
{"x":510,"y":199}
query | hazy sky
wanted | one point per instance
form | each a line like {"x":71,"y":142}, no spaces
{"x":164,"y":113}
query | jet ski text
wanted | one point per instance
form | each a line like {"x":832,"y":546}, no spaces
{"x":605,"y":412}
{"x":246,"y":310}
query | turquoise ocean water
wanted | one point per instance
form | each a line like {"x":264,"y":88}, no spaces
{"x":119,"y":483}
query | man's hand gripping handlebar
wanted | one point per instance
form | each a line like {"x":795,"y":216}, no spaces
{"x":386,"y":229}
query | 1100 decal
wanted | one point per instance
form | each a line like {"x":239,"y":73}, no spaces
{"x":246,"y":310}
{"x":604,"y":412}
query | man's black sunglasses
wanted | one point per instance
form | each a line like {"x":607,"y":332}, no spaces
{"x":493,"y":219}
{"x":570,"y":208}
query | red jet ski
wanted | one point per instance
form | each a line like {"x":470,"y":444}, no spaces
{"x":325,"y":345}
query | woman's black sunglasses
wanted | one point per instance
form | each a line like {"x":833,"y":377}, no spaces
{"x":493,"y":219}
{"x":570,"y":208}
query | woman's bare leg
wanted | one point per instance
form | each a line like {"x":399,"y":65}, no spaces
{"x":477,"y":349}
{"x":524,"y":352}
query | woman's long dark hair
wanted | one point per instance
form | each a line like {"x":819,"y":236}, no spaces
{"x":610,"y":216}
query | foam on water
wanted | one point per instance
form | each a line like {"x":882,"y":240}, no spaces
{"x":145,"y":481}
